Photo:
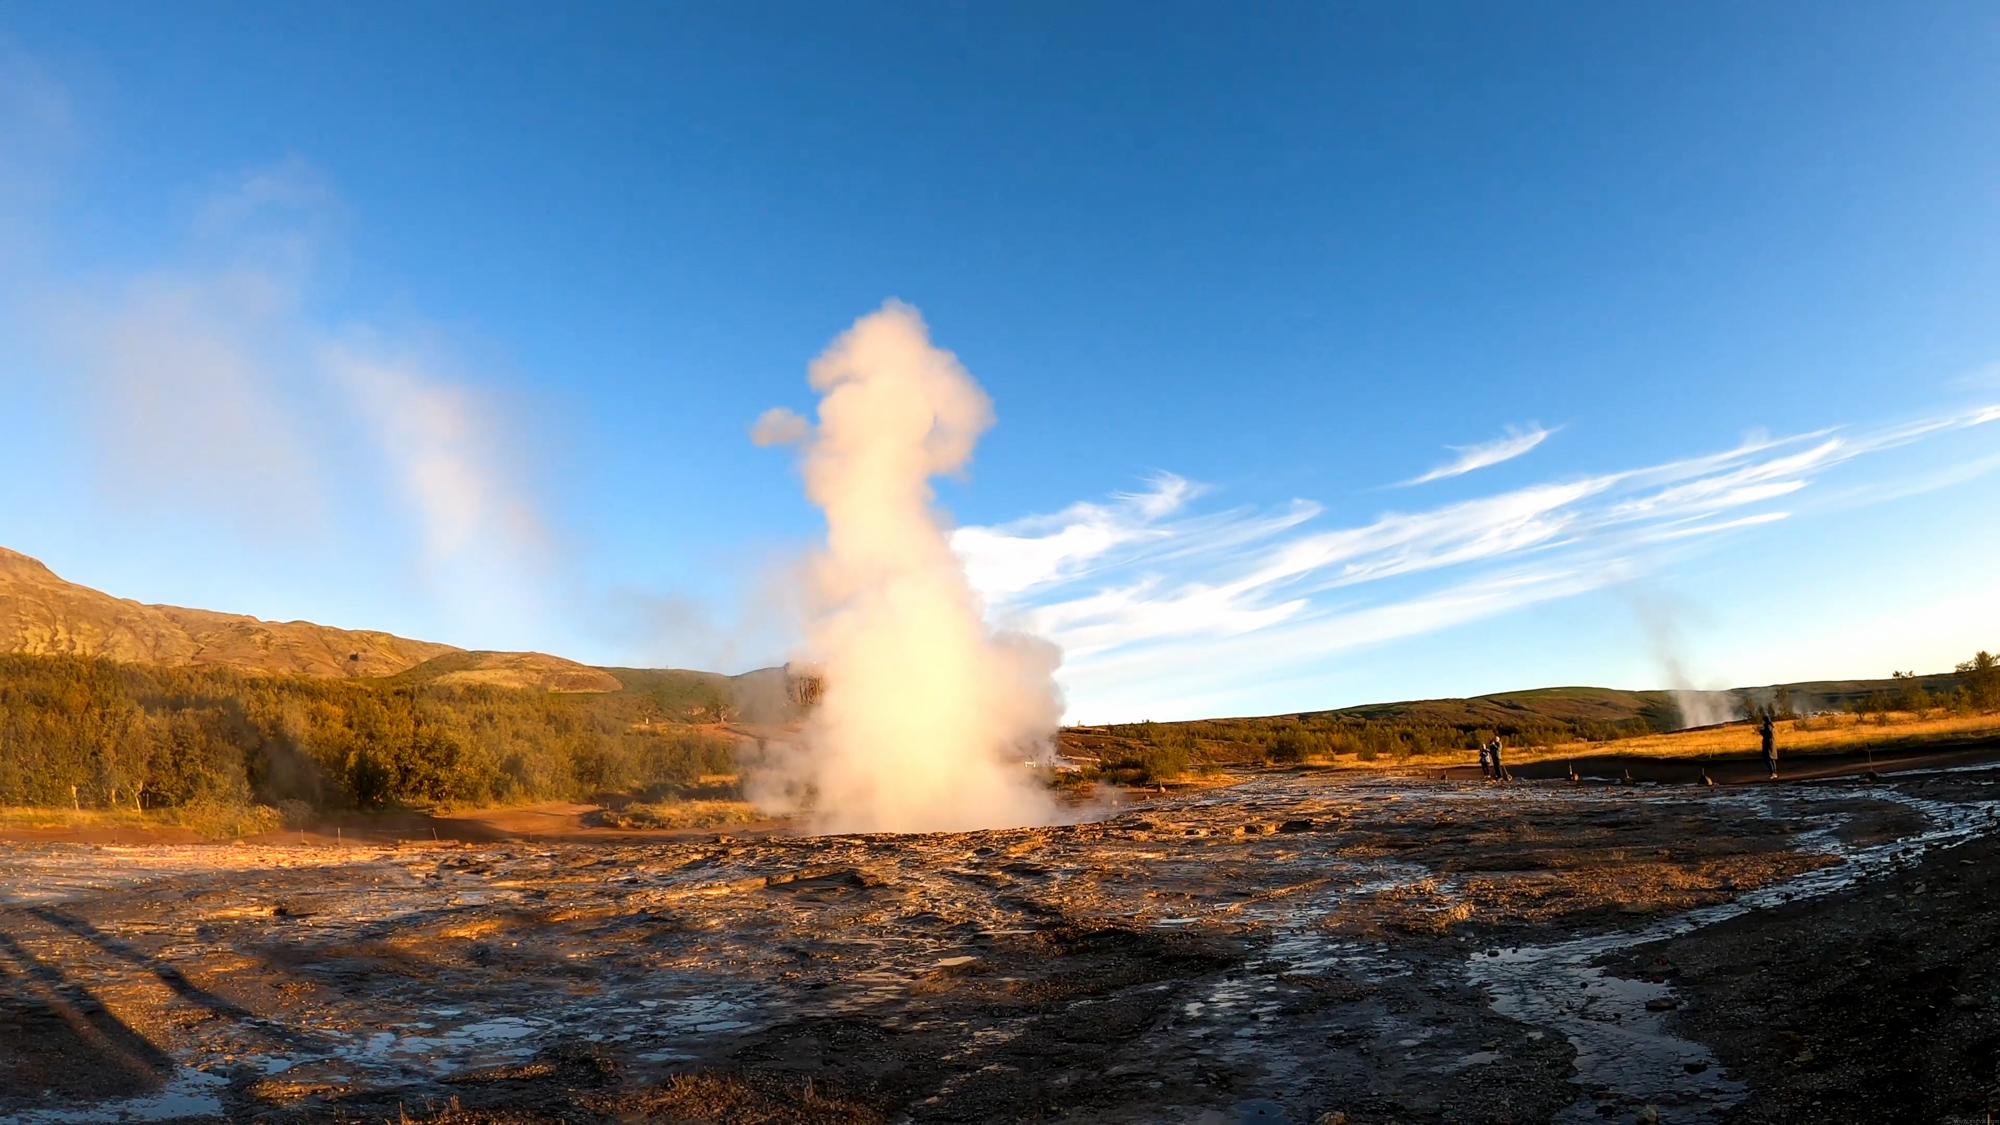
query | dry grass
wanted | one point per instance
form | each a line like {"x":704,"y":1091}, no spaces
{"x":1828,"y":734}
{"x":682,"y":814}
{"x":749,"y":1100}
{"x":214,"y":822}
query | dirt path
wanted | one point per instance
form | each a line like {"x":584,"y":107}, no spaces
{"x":1288,"y":949}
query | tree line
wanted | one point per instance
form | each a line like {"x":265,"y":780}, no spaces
{"x":99,"y":734}
{"x":1977,"y":691}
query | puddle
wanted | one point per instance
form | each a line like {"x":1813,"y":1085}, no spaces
{"x":1622,"y":1049}
{"x":190,"y":1093}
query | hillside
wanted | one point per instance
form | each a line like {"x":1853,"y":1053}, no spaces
{"x":533,"y":671}
{"x":1539,"y":717}
{"x":1588,"y":706}
{"x":108,"y":703}
{"x":1567,"y":705}
{"x":1838,"y":694}
{"x":41,"y":614}
{"x":45,"y":615}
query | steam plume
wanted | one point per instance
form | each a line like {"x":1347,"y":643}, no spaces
{"x":1660,"y":615}
{"x":927,"y":716}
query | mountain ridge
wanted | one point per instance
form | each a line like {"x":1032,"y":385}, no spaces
{"x":44,"y":614}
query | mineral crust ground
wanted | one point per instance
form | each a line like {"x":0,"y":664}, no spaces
{"x":1295,"y":947}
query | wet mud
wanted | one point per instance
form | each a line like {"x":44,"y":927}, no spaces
{"x":1294,"y":948}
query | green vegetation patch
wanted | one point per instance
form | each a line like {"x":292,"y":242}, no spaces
{"x":95,"y":734}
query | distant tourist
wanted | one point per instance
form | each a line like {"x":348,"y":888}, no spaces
{"x":1769,"y":732}
{"x":1493,"y":752}
{"x":1486,"y":761}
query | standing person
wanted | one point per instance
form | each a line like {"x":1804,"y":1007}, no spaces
{"x":1486,"y":761}
{"x":1493,"y":751}
{"x":1768,"y":731}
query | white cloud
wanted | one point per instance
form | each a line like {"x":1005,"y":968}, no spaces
{"x":1154,"y":605}
{"x":1517,"y":441}
{"x":1019,"y":556}
{"x":439,"y":443}
{"x":218,"y":397}
{"x":1187,"y":677}
{"x":1691,"y":530}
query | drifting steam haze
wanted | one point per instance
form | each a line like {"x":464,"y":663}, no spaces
{"x":927,"y":716}
{"x":1660,"y":617}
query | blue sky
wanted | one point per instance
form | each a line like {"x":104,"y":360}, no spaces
{"x":451,"y":320}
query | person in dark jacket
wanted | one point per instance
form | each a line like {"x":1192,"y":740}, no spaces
{"x":1493,"y":751}
{"x":1768,"y":731}
{"x":1486,"y":761}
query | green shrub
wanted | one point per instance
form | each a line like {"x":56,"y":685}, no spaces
{"x":1287,"y":747}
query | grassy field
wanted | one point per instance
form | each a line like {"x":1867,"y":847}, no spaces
{"x":1827,"y":734}
{"x":1127,"y":760}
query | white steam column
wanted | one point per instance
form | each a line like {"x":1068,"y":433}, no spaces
{"x":927,"y":714}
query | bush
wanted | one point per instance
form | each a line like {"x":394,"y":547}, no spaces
{"x":1287,"y":748}
{"x":1152,"y":752}
{"x":1979,"y":678}
{"x":104,"y":735}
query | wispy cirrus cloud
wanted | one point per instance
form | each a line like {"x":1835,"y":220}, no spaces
{"x":1517,"y":441}
{"x":1152,"y":601}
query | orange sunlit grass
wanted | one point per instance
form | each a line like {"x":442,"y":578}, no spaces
{"x":1826,"y":734}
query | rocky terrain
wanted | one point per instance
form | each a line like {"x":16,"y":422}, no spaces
{"x":1294,"y":948}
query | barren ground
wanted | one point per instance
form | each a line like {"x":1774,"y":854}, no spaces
{"x":1293,"y":948}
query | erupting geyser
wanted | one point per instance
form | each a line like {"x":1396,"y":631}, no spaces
{"x":927,"y":715}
